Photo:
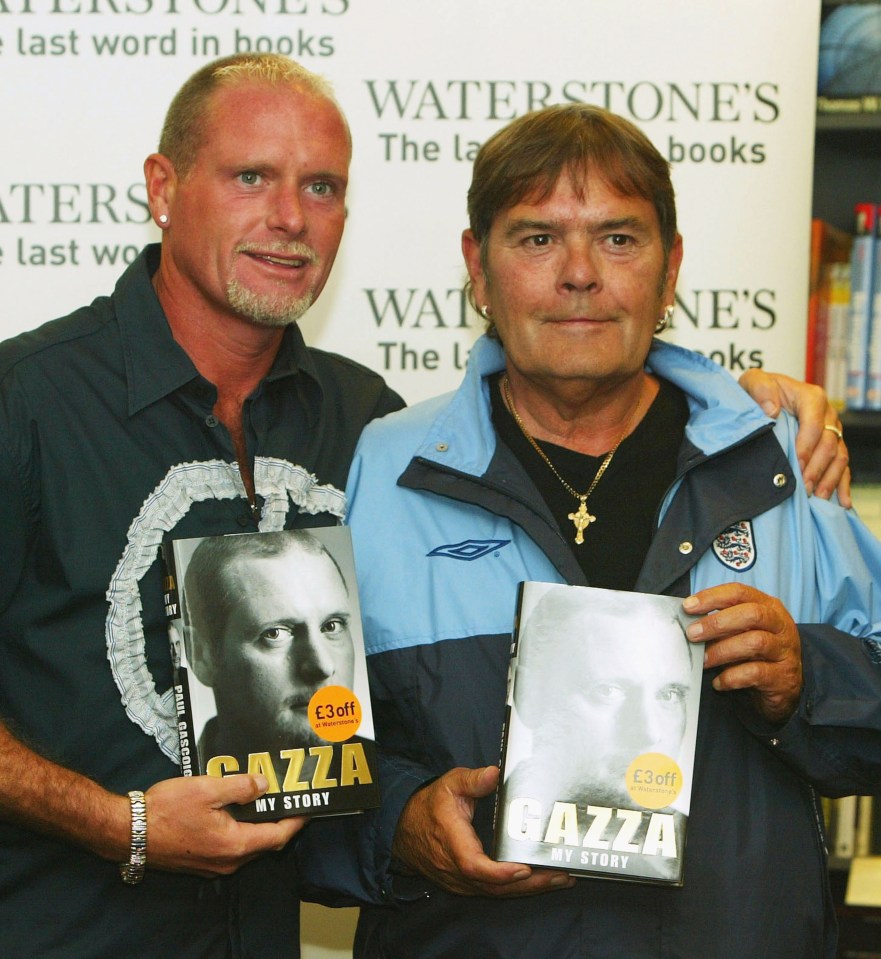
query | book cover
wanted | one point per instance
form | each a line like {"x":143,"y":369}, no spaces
{"x":598,"y":745}
{"x":270,"y":678}
{"x":861,"y":268}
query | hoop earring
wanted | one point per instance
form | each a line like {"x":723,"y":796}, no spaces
{"x":665,"y":320}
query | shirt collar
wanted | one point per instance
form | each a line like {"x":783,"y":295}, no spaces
{"x":155,"y":364}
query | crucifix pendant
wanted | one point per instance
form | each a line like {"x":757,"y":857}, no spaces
{"x":582,"y":519}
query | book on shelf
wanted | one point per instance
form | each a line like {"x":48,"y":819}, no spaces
{"x":868,"y":104}
{"x":873,"y":368}
{"x":844,"y":827}
{"x":269,"y":668}
{"x":597,"y":752}
{"x":862,"y":262}
{"x":838,"y":319}
{"x":853,"y":827}
{"x":829,"y":246}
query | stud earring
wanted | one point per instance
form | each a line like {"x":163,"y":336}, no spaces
{"x":163,"y":219}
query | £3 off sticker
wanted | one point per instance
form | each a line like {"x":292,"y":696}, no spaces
{"x":654,"y":780}
{"x":335,"y":713}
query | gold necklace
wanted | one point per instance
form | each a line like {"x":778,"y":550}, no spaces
{"x":581,"y":517}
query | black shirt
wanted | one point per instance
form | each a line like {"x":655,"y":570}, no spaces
{"x":628,"y":495}
{"x":108,"y":444}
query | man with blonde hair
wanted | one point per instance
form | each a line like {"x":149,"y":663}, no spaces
{"x":186,"y":404}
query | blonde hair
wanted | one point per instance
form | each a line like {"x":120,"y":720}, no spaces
{"x":183,"y":128}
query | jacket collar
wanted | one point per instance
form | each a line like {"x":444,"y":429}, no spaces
{"x":722,"y":413}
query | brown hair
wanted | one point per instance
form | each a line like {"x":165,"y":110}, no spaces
{"x":528,"y":156}
{"x":183,"y":128}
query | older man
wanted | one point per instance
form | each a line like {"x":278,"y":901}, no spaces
{"x":582,"y":449}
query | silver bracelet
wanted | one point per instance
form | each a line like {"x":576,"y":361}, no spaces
{"x":132,"y":872}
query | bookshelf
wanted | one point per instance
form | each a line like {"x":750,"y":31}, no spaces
{"x":847,"y":171}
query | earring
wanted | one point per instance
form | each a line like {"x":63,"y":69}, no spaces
{"x":665,"y":320}
{"x":163,"y":219}
{"x":485,"y":312}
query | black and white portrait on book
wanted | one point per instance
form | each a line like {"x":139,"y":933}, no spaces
{"x":603,"y":712}
{"x":272,"y":619}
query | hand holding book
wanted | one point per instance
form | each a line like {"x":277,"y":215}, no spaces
{"x":751,"y":638}
{"x":436,"y":839}
{"x":191,"y":829}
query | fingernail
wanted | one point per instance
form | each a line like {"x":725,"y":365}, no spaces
{"x":560,"y":881}
{"x":261,"y":782}
{"x":694,"y":631}
{"x":769,"y":408}
{"x":690,"y":603}
{"x":523,"y":874}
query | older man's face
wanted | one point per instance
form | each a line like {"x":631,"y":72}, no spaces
{"x":576,"y":284}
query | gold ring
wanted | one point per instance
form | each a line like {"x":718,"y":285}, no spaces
{"x":835,"y":430}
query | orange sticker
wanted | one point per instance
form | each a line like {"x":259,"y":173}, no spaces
{"x":335,"y":713}
{"x":654,"y":780}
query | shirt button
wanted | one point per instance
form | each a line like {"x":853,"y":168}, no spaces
{"x":442,"y":447}
{"x":685,"y":548}
{"x":211,"y":420}
{"x":775,"y":742}
{"x":780,"y":480}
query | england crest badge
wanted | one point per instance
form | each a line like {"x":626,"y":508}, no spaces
{"x":736,"y":547}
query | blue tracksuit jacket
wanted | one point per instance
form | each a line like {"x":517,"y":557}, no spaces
{"x":446,"y":524}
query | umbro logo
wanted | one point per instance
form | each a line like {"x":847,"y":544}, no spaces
{"x":469,"y":549}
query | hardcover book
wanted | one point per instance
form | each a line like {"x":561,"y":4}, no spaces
{"x":270,"y":677}
{"x":873,"y":373}
{"x":598,"y":745}
{"x":860,"y":321}
{"x":829,"y":248}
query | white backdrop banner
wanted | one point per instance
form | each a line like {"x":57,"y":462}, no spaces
{"x":725,"y":90}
